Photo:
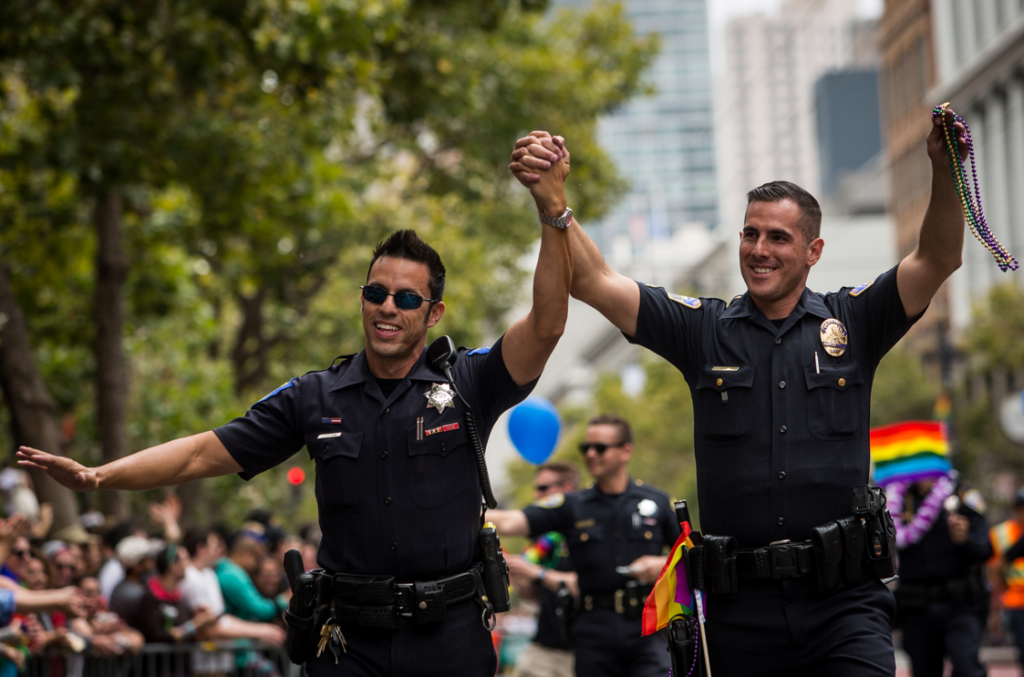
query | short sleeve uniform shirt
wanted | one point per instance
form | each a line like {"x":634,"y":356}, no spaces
{"x":396,"y":481}
{"x":781,"y":413}
{"x":606,"y":531}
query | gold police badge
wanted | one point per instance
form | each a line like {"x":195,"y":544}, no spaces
{"x":833,"y":337}
{"x":440,"y":396}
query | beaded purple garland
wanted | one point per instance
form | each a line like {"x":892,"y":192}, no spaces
{"x":971,"y":203}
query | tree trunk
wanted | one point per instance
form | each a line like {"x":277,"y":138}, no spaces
{"x":33,"y":411}
{"x":249,"y":354}
{"x":111,"y":371}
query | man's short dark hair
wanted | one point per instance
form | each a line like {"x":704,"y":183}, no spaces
{"x":405,"y":244}
{"x":625,"y":431}
{"x":566,"y":472}
{"x":195,"y":537}
{"x":777,"y":191}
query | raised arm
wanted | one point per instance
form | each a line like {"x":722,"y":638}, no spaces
{"x":941,"y":242}
{"x":529,"y":341}
{"x":175,"y":462}
{"x":615,"y":296}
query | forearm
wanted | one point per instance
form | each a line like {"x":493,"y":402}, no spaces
{"x":941,"y":241}
{"x":509,"y":522}
{"x":175,"y":462}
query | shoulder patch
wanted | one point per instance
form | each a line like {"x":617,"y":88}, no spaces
{"x":480,"y":351}
{"x":551,"y":501}
{"x":857,"y":291}
{"x":283,"y":386}
{"x":653,"y":286}
{"x":975,"y":501}
{"x":687,"y":301}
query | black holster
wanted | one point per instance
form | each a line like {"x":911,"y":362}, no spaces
{"x":828,"y":556}
{"x":565,"y":610}
{"x":684,"y":646}
{"x":879,"y":530}
{"x":301,"y":617}
{"x":719,"y":555}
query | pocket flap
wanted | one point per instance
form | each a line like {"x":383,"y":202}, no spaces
{"x":723,"y":377}
{"x":589,"y":535}
{"x":838,"y":378}
{"x":439,"y":440}
{"x":328,"y":444}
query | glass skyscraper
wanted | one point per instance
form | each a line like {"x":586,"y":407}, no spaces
{"x":664,"y":144}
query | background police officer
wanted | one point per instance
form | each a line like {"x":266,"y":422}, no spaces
{"x":540,"y":574}
{"x":618,"y":530}
{"x":940,"y":587}
{"x":396,"y":484}
{"x":781,"y":383}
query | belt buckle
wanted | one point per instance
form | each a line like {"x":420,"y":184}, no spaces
{"x":619,"y":606}
{"x":782,"y":558}
{"x":404,"y":599}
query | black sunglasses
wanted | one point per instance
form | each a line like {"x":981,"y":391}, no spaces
{"x":543,"y":487}
{"x":405,"y":300}
{"x":19,"y":553}
{"x":599,"y":447}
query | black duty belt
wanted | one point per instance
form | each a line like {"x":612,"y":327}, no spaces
{"x":777,"y":561}
{"x":628,"y":601}
{"x":378,"y":601}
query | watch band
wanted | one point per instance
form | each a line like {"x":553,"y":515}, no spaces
{"x":562,"y":221}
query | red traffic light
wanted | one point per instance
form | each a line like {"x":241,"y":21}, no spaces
{"x":296,"y":475}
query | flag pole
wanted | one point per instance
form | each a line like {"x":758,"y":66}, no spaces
{"x":683,"y":515}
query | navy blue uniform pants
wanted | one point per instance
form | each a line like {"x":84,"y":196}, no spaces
{"x":608,"y":645}
{"x":789,"y":628}
{"x":943,"y":629}
{"x":459,"y":646}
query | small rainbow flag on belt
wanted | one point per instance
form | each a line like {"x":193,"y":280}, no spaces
{"x":672,"y":595}
{"x":909,"y":451}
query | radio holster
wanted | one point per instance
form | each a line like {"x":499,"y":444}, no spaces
{"x":879,"y":530}
{"x":684,"y":646}
{"x":301,"y":617}
{"x":565,"y":610}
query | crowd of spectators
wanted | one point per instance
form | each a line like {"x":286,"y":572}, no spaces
{"x":103,"y":589}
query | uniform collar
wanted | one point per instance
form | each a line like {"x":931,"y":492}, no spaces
{"x":810,"y":303}
{"x":358,"y":371}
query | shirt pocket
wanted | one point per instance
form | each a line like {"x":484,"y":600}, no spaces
{"x":580,"y":540}
{"x":726,"y":393}
{"x":833,"y":400}
{"x":336,"y":458}
{"x":442,"y":466}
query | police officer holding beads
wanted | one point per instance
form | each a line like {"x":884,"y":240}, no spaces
{"x":397,"y":485}
{"x":781,"y":382}
{"x":618,"y":532}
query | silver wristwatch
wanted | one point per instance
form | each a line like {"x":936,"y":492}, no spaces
{"x":562,"y":221}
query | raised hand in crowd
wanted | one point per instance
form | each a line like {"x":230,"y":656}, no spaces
{"x":168,"y":515}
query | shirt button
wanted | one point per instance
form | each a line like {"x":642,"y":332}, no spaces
{"x":778,"y":340}
{"x":387,"y":500}
{"x":842,"y":382}
{"x":780,"y":521}
{"x":718,"y":382}
{"x":782,"y":474}
{"x":384,"y":454}
{"x":782,"y":384}
{"x":648,"y":535}
{"x":584,"y":537}
{"x":394,"y":546}
{"x":782,"y":428}
{"x":388,"y":410}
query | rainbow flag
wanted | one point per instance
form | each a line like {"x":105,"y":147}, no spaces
{"x":672,"y":595}
{"x":546,"y":550}
{"x":909,"y":451}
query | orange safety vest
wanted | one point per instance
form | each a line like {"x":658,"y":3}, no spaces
{"x":1004,"y":536}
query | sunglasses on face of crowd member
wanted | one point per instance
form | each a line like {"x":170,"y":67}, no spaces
{"x":599,"y":447}
{"x":406,"y":300}
{"x":19,"y":553}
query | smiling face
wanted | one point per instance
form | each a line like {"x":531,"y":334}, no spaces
{"x":775,"y":259}
{"x":395,"y":337}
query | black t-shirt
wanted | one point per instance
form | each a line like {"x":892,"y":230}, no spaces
{"x":396,"y":481}
{"x":781,"y":423}
{"x":935,"y":558}
{"x":606,"y":531}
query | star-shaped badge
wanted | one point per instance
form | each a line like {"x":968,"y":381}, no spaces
{"x":440,"y":396}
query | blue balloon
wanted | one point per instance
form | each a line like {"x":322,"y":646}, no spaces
{"x":534,"y":427}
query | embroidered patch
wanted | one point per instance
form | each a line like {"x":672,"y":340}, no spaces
{"x":442,"y":429}
{"x":283,"y":386}
{"x":653,"y":286}
{"x":552,"y":501}
{"x":480,"y":351}
{"x":331,"y":421}
{"x":687,"y":301}
{"x":857,"y":291}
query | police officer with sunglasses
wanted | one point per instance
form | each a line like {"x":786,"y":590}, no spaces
{"x":397,"y":488}
{"x":618,"y":531}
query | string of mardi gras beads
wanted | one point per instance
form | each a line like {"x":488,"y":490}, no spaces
{"x":971,"y":202}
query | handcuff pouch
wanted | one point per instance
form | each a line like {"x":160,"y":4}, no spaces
{"x":720,"y":564}
{"x":827,"y":541}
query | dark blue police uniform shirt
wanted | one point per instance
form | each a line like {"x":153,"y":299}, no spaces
{"x":780,"y":440}
{"x":390,"y":503}
{"x":605,"y":531}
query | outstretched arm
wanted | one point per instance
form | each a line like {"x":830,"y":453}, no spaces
{"x":175,"y":462}
{"x":509,"y":522}
{"x":529,"y":341}
{"x":615,"y":296}
{"x":941,"y":243}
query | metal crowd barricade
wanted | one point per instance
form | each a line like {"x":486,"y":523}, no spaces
{"x":162,"y":660}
